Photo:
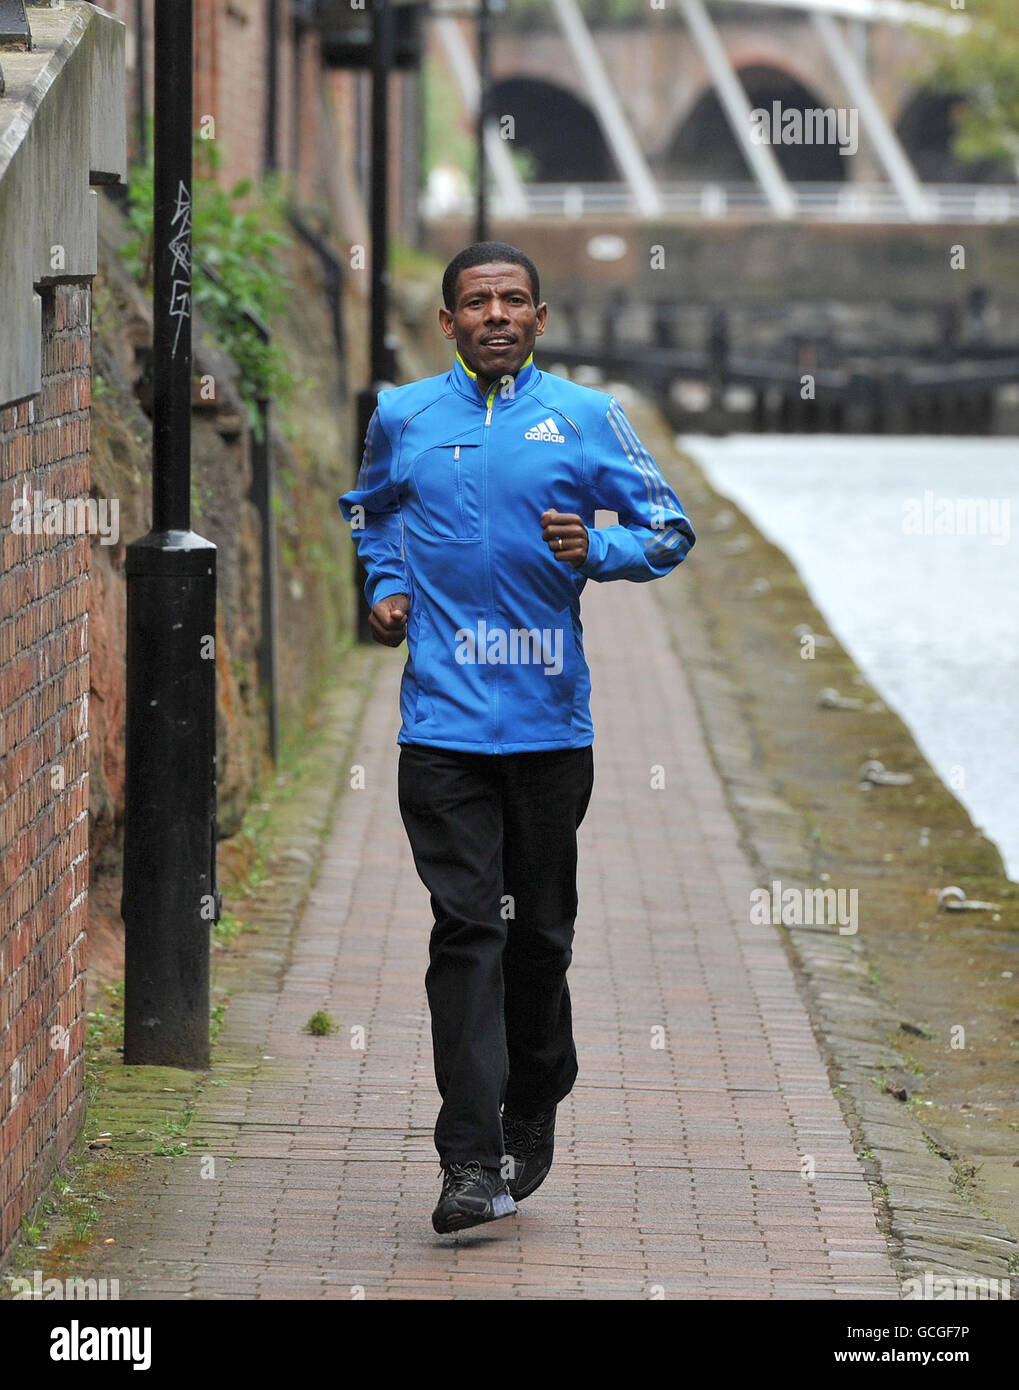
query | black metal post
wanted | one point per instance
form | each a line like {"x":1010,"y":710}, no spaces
{"x":718,"y":370}
{"x":261,"y":496}
{"x":383,"y":365}
{"x":295,"y":123}
{"x":332,"y":272}
{"x":170,"y":896}
{"x":418,"y":118}
{"x":481,"y":218}
{"x":383,"y":50}
{"x":272,"y":62}
{"x":141,"y":86}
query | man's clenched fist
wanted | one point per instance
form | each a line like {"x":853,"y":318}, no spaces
{"x":566,"y":536}
{"x":388,"y":620}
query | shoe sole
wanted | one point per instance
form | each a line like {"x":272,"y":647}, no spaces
{"x":502,"y":1205}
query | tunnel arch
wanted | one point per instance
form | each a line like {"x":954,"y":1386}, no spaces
{"x":560,"y":132}
{"x":926,"y":129}
{"x":704,"y":146}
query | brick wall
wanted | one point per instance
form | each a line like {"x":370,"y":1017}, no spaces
{"x":231,"y":43}
{"x":44,"y":681}
{"x":231,"y":38}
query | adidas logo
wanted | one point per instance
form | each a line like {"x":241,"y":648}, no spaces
{"x":547,"y":430}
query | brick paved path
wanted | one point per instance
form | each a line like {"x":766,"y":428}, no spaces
{"x":678,"y":1169}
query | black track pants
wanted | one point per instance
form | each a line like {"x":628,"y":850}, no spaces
{"x":494,"y":838}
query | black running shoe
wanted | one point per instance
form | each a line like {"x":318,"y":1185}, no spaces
{"x":471,"y":1195}
{"x":530,"y":1141}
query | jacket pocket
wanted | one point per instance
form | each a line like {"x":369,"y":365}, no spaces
{"x":419,"y":667}
{"x":449,"y":488}
{"x":539,"y":680}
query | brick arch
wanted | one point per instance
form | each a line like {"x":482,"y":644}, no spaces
{"x":703,"y":145}
{"x":925,"y":127}
{"x":558,"y":130}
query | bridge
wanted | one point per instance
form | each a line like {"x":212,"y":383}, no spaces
{"x":708,"y":110}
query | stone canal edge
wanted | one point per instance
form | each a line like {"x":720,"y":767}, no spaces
{"x":930,"y":1225}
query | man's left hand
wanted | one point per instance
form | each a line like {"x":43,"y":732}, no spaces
{"x":566,"y":535}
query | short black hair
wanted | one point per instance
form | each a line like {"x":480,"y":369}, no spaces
{"x":485,"y":253}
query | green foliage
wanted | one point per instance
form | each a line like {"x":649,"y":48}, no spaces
{"x":984,"y":64}
{"x":410,"y":261}
{"x":598,"y":13}
{"x":321,"y":1024}
{"x":235,"y":233}
{"x":216,"y":1019}
{"x":228,"y":928}
{"x":107,"y":1030}
{"x":177,"y":1127}
{"x":525,"y":164}
{"x":446,"y":135}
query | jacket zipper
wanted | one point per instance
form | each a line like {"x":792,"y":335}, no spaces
{"x":458,"y":480}
{"x":488,"y":567}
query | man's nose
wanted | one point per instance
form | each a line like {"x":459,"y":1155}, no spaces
{"x":497,"y":310}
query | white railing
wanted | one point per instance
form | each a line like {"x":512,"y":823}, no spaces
{"x":815,"y":202}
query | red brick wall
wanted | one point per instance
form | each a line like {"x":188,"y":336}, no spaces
{"x":231,"y":40}
{"x":44,"y":681}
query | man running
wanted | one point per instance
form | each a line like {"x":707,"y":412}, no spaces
{"x":474,"y":515}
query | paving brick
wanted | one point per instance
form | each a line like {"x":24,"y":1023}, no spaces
{"x":677,"y":1166}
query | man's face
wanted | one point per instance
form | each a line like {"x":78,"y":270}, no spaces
{"x":495,"y":320}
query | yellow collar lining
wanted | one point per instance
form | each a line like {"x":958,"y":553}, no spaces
{"x":474,"y":375}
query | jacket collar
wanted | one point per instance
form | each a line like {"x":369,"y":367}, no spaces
{"x":465,"y":380}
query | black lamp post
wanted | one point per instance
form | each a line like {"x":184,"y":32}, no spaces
{"x":383,"y":363}
{"x":484,"y":28}
{"x":170,"y":896}
{"x":392,"y":39}
{"x":141,"y":90}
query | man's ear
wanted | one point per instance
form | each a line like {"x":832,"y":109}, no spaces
{"x":446,"y":323}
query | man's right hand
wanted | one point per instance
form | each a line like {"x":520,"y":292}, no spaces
{"x":388,"y":620}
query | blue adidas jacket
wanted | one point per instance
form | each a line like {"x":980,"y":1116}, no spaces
{"x":447,"y":510}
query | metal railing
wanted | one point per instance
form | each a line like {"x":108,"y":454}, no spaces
{"x":260,"y":494}
{"x":815,"y":202}
{"x":332,"y":283}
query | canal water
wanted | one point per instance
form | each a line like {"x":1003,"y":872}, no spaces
{"x":907,"y":548}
